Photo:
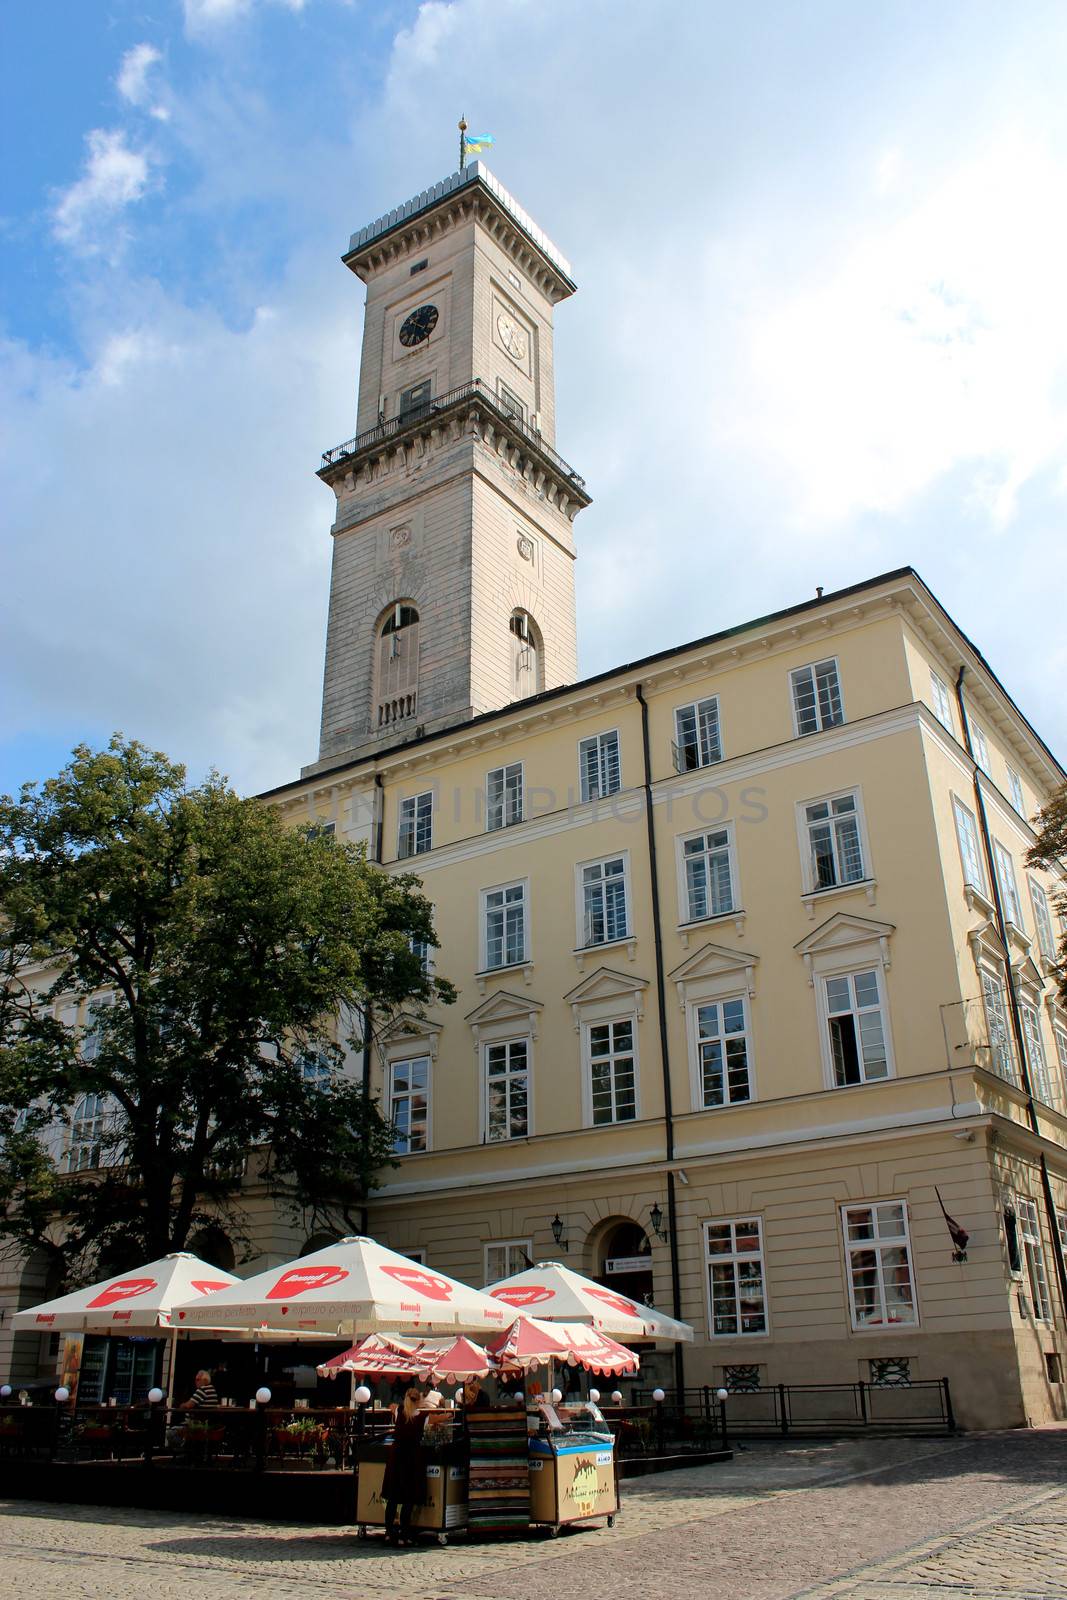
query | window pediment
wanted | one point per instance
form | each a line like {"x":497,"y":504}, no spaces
{"x":857,"y":939}
{"x":1028,"y":976}
{"x":504,"y":1013}
{"x":605,"y":992}
{"x":986,"y":944}
{"x":406,"y":1031}
{"x":713,"y":970}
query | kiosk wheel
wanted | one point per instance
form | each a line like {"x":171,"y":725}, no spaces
{"x":611,"y":1521}
{"x":442,"y":1539}
{"x":361,"y":1531}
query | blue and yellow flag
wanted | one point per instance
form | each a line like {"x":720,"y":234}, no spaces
{"x":476,"y":142}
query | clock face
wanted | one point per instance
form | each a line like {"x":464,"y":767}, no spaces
{"x":511,"y":337}
{"x":419,"y":325}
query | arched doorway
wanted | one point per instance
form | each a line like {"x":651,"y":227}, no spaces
{"x":317,"y":1241}
{"x":212,"y":1246}
{"x":624,"y":1261}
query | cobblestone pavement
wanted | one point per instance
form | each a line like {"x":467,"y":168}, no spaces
{"x":972,"y":1519}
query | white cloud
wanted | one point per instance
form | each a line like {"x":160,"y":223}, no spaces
{"x":133,"y":73}
{"x":201,"y":16}
{"x":114,"y":177}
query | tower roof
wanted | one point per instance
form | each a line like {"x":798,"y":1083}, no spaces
{"x":475,"y":175}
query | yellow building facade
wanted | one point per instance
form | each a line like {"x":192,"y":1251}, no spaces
{"x":754,"y":982}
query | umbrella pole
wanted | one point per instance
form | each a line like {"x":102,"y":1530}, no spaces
{"x":172,"y":1369}
{"x":352,"y":1390}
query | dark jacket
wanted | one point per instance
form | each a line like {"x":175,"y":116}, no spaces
{"x":405,"y":1464}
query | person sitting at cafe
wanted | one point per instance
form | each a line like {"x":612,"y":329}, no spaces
{"x":205,"y":1393}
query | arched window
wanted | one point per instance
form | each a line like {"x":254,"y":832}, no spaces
{"x":87,"y":1125}
{"x":397,"y":686}
{"x":527,"y":655}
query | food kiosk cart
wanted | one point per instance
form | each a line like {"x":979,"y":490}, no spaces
{"x":573,"y":1475}
{"x":444,"y":1510}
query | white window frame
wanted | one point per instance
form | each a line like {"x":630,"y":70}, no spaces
{"x":424,"y":953}
{"x":685,"y":910}
{"x":629,"y":1020}
{"x":415,"y":814}
{"x":602,"y":766}
{"x":1059,"y":1035}
{"x":392,"y":1096}
{"x":1046,"y":938}
{"x":506,"y":1044}
{"x":942,"y":707}
{"x":483,"y":924}
{"x":853,"y":970}
{"x":1008,"y":885}
{"x":852,"y":1247}
{"x":510,"y":805}
{"x":981,"y":748}
{"x":582,"y":942}
{"x":734,"y":1257}
{"x":522,"y":1246}
{"x":91,"y":1039}
{"x":807,"y":856}
{"x":998,"y":1027}
{"x":820,"y":724}
{"x":95,"y":1112}
{"x":1036,"y":1060}
{"x":693,"y":1010}
{"x":974,"y":873}
{"x":705,"y":712}
{"x":1032,"y":1247}
{"x":1015,"y":787}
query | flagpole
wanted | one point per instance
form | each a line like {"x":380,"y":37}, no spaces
{"x":462,"y":143}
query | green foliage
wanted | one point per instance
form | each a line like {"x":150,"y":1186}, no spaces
{"x":237,"y":951}
{"x":1050,"y":851}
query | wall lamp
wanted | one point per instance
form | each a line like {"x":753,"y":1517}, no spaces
{"x":557,"y":1232}
{"x":655,"y":1216}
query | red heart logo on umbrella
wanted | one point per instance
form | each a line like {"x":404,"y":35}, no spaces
{"x":616,"y":1302}
{"x":121,"y":1289}
{"x":527,"y":1294}
{"x":302,"y":1280}
{"x":421,"y":1282}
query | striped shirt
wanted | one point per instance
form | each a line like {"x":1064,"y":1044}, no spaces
{"x":205,"y":1395}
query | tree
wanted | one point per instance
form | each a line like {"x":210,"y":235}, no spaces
{"x":1050,"y":852}
{"x":223,"y":960}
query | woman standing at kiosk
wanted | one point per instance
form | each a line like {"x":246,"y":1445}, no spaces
{"x":404,"y":1482}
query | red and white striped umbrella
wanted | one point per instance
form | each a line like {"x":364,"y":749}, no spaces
{"x":352,"y":1287}
{"x":379,"y":1356}
{"x":530,"y":1343}
{"x":553,"y":1293}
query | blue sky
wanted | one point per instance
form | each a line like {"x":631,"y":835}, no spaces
{"x":821,"y":328}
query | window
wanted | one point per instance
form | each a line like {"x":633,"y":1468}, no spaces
{"x":416,"y":825}
{"x":503,"y":796}
{"x":879,"y":1264}
{"x":697,"y":738}
{"x":709,"y":888}
{"x":87,"y":1125}
{"x":1034,"y":1257}
{"x":612,"y":1071}
{"x":422,"y":950}
{"x":317,"y":1071}
{"x":507,"y":1090}
{"x":981,"y":749}
{"x":398,"y":665}
{"x":723,"y":1053}
{"x":735,"y":1278}
{"x":527,"y":655}
{"x":1009,"y":893}
{"x":942,"y":701}
{"x":1046,"y":939}
{"x":505,"y":926}
{"x":1059,"y":1033}
{"x":599,"y":766}
{"x":603,"y":909}
{"x":816,"y":697}
{"x":510,"y":403}
{"x":506,"y":1257}
{"x":1016,"y":789}
{"x":1035,"y":1052}
{"x":857,"y":1033}
{"x":970,"y":853}
{"x":93,"y":1037}
{"x":415,"y":402}
{"x":409,"y":1104}
{"x":835,"y":851}
{"x":1001,"y":1054}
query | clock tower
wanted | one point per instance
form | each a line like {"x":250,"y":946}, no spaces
{"x":452,"y":589}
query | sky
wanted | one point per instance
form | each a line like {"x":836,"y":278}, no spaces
{"x":821,"y":327}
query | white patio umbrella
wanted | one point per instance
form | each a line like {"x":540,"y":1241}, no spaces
{"x":132,"y":1302}
{"x":554,"y":1293}
{"x":353,"y":1287}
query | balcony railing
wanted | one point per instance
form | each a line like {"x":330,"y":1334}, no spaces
{"x":478,"y":390}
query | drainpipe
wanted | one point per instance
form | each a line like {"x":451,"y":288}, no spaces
{"x":661,"y":1005}
{"x":1013,"y":995}
{"x":375,"y":856}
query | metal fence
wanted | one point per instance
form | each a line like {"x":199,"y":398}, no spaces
{"x":788,"y":1408}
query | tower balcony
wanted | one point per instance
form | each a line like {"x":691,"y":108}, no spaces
{"x":533,"y":451}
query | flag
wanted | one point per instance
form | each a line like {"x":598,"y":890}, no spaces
{"x":958,"y":1235}
{"x":476,"y":142}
